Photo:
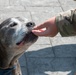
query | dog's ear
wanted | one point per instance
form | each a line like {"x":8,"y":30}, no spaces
{"x":3,"y":56}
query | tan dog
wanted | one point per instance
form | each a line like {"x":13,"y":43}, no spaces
{"x":15,"y":38}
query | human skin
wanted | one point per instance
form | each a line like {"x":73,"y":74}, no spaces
{"x":50,"y":28}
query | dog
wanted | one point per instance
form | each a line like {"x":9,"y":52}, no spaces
{"x":15,"y":37}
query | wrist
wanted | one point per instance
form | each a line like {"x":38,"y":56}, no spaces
{"x":54,"y":26}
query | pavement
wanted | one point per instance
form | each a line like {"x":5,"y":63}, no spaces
{"x":48,"y":56}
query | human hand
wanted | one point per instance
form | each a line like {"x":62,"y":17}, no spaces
{"x":50,"y":28}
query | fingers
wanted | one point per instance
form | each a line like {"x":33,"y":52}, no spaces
{"x":40,"y":32}
{"x":40,"y":26}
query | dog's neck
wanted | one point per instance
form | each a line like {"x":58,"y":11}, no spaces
{"x":3,"y":56}
{"x":7,"y":61}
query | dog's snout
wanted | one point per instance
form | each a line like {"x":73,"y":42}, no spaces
{"x":30,"y":24}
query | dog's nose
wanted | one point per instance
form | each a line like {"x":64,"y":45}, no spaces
{"x":30,"y":24}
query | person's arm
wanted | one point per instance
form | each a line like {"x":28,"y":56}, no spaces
{"x":66,"y":23}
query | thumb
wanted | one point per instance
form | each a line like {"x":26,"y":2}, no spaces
{"x":39,"y":27}
{"x":40,"y":32}
{"x":37,"y":32}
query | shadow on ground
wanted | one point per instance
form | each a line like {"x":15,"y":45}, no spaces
{"x":62,"y":63}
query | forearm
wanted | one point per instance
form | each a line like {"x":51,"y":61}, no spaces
{"x":66,"y":23}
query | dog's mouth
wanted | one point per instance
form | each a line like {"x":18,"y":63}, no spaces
{"x":30,"y":37}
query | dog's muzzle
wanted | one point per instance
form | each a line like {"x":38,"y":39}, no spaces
{"x":29,"y":37}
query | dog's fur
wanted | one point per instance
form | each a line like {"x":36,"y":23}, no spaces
{"x":15,"y":38}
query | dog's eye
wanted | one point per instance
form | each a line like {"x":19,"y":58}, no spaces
{"x":13,"y":24}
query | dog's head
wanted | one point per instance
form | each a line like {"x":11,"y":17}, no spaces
{"x":15,"y":38}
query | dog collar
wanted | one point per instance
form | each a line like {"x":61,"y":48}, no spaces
{"x":7,"y":71}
